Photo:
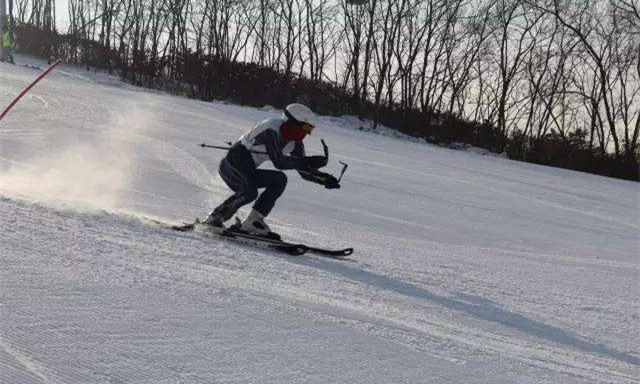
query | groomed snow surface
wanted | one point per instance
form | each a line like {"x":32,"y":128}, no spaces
{"x":467,"y":268}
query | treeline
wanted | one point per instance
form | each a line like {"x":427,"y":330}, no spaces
{"x":555,"y":82}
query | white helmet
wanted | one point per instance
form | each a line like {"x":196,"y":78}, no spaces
{"x":301,"y":113}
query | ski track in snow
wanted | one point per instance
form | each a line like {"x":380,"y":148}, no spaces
{"x":467,"y":268}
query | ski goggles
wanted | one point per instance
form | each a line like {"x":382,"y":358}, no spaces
{"x":308,"y":128}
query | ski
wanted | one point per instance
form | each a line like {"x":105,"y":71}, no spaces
{"x":294,"y":249}
{"x":331,"y":253}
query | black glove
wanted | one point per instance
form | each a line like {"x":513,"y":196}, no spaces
{"x":331,"y":182}
{"x":321,"y":178}
{"x":315,"y":162}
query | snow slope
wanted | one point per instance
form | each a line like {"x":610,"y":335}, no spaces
{"x":467,"y":268}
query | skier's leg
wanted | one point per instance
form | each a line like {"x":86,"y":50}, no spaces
{"x":241,"y":182}
{"x":275,"y":183}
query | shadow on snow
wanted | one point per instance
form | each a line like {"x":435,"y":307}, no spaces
{"x":473,"y":306}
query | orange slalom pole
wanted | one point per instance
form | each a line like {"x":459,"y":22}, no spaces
{"x":45,"y":73}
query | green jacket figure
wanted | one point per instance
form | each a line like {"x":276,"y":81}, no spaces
{"x":7,"y":44}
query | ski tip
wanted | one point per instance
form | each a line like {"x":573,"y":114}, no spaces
{"x":183,"y":228}
{"x":341,"y":254}
{"x":293,"y":250}
{"x":334,"y":254}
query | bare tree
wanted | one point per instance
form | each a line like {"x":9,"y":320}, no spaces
{"x":593,"y":31}
{"x":408,"y":47}
{"x":625,"y":52}
{"x":463,"y":48}
{"x":432,"y":74}
{"x":318,"y":36}
{"x":546,"y":68}
{"x":389,"y":21}
{"x":515,"y":36}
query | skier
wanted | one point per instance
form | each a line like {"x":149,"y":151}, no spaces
{"x":278,"y":140}
{"x":7,"y":44}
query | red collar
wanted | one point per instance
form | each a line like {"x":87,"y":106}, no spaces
{"x":292,"y":132}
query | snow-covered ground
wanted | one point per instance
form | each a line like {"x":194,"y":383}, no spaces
{"x":467,"y":268}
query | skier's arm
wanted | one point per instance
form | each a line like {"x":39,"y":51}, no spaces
{"x":311,"y":162}
{"x":274,"y":151}
{"x":298,"y":150}
{"x":311,"y":173}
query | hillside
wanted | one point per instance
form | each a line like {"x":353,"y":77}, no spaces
{"x":467,"y":268}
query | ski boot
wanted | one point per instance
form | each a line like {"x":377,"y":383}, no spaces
{"x":254,"y":225}
{"x":213,"y":223}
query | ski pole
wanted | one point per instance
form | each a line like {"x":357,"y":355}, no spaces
{"x":45,"y":73}
{"x":203,"y":145}
{"x":344,"y":169}
{"x":326,"y":154}
{"x":326,"y":151}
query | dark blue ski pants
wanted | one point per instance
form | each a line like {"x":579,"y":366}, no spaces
{"x":241,"y":175}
